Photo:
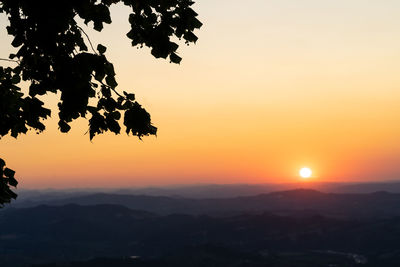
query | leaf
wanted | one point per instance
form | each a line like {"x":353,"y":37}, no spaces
{"x":17,"y":41}
{"x":110,"y":80}
{"x":12,"y":181}
{"x":116,"y":115}
{"x":137,"y":120}
{"x":105,"y":91}
{"x":9,"y":173}
{"x":10,"y":193}
{"x":98,"y":26}
{"x":190,"y":37}
{"x":101,"y":48}
{"x":175,"y":58}
{"x":64,"y":127}
{"x":129,"y":96}
{"x":16,"y":79}
{"x":196,"y":23}
{"x":113,"y":125}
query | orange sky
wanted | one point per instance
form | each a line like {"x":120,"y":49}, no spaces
{"x":269,"y":88}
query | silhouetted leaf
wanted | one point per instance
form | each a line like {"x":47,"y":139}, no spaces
{"x":12,"y":181}
{"x":64,"y":127}
{"x":129,"y":96}
{"x":102,"y":49}
{"x":175,"y":58}
{"x":8,"y":173}
{"x":6,"y":180}
{"x":110,"y":80}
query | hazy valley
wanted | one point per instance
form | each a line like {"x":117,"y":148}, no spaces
{"x":297,"y":226}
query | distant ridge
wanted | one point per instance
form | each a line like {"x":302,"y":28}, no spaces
{"x":212,"y":190}
{"x":391,"y":187}
{"x":380,"y":204}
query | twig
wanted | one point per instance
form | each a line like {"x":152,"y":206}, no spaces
{"x":9,"y":60}
{"x":113,"y":89}
{"x":87,"y":36}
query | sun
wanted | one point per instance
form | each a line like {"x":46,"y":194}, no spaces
{"x":305,"y":172}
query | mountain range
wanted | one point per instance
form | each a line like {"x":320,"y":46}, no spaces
{"x":317,"y":227}
{"x":378,"y":204}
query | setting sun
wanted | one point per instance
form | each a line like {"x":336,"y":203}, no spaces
{"x":305,"y":172}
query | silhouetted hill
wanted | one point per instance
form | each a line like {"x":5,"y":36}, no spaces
{"x":300,"y":201}
{"x":72,"y":211}
{"x":392,"y":187}
{"x":215,"y":256}
{"x":72,"y":232}
{"x":33,"y":197}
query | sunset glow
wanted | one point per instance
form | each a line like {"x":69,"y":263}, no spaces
{"x":269,"y":86}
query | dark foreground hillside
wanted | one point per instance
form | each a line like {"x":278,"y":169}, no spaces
{"x":73,"y":232}
{"x":212,"y":256}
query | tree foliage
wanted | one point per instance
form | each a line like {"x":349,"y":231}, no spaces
{"x":55,"y":55}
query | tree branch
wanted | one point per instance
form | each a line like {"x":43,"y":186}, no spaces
{"x":10,"y":60}
{"x":87,"y":36}
{"x":113,"y":89}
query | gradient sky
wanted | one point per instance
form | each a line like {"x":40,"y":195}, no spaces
{"x":270,"y":87}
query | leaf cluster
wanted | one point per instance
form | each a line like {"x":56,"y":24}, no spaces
{"x":6,"y":180}
{"x":55,"y":55}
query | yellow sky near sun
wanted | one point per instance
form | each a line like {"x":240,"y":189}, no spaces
{"x":270,"y":87}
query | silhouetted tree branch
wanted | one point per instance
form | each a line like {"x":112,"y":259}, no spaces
{"x":53,"y":57}
{"x":9,"y":60}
